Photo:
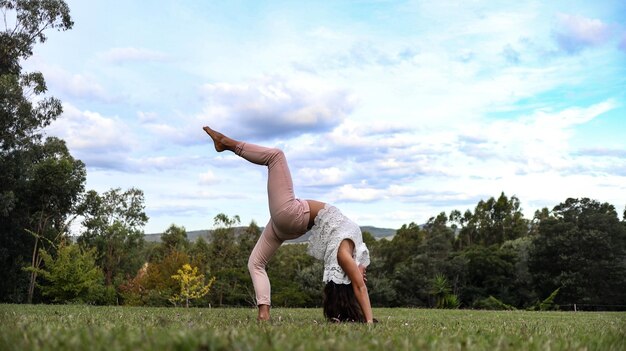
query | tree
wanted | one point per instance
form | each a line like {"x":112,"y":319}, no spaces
{"x":153,"y":284}
{"x":199,"y":254}
{"x":439,"y":238}
{"x":492,"y":222}
{"x":174,"y":238}
{"x":223,"y":259}
{"x":540,"y":215}
{"x":192,"y":284}
{"x":31,"y":19}
{"x":411,"y":282}
{"x":24,"y":112}
{"x":247,"y":240}
{"x":288,"y":270}
{"x":403,"y":268}
{"x":402,"y":247}
{"x":397,"y":270}
{"x":113,"y":225}
{"x":522,"y":292}
{"x":158,"y":283}
{"x":309,"y":281}
{"x":581,"y":249}
{"x":72,"y":276}
{"x":52,"y":188}
{"x":490,"y":271}
{"x":437,"y":252}
{"x":25,"y":23}
{"x":133,"y":290}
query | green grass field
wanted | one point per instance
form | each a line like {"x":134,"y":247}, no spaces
{"x":60,"y":327}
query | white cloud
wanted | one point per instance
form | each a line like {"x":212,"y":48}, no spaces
{"x":575,"y":32}
{"x":211,"y":195}
{"x":372,"y":135}
{"x":147,"y":117}
{"x":319,"y":177}
{"x":130,"y":54}
{"x":452,"y":166}
{"x":159,"y":163}
{"x":100,"y":141}
{"x":166,"y":132}
{"x":533,"y":144}
{"x":91,"y":132}
{"x":76,"y":86}
{"x":208,"y":178}
{"x":510,"y":54}
{"x":275,"y":107}
{"x":176,"y":210}
{"x":357,"y":194}
{"x":603,"y":152}
{"x":260,"y":109}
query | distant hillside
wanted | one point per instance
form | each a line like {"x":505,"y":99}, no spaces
{"x":193,"y":235}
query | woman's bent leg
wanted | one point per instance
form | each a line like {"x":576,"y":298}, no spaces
{"x":279,"y":184}
{"x":264,"y":249}
{"x":289,"y":215}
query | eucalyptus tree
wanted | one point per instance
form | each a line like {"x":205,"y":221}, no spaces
{"x":113,"y":224}
{"x":53,"y":185}
{"x":581,"y":249}
{"x":493,"y":222}
{"x":223,"y":259}
{"x":24,"y":111}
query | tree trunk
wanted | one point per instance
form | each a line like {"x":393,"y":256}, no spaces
{"x":33,"y":274}
{"x":108,"y":274}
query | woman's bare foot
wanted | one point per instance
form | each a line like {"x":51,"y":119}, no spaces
{"x":264,"y":313}
{"x":220,"y":141}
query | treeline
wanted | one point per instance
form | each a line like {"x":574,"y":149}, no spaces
{"x":493,"y":257}
{"x":490,"y":257}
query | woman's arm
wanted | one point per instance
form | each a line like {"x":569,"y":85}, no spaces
{"x":349,"y":265}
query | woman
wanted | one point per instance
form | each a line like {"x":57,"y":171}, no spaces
{"x":335,"y":239}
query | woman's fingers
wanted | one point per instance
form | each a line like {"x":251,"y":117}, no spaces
{"x":363,"y":272}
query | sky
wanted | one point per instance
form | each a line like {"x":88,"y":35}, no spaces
{"x":393,"y":111}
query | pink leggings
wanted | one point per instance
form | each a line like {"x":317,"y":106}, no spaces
{"x":289,"y":217}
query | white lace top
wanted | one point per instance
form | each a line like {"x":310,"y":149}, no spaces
{"x":331,"y":227}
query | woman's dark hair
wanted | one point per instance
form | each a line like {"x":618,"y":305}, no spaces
{"x":340,"y":304}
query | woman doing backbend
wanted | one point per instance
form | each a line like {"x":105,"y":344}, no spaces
{"x":335,"y":239}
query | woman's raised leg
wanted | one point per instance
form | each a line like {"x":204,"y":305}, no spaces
{"x":280,"y":192}
{"x":290,"y":216}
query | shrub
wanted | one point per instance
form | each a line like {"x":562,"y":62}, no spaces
{"x":72,"y":276}
{"x":492,"y":303}
{"x":547,"y":304}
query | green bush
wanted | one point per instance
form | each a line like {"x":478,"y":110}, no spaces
{"x":440,"y":289}
{"x":451,"y":301}
{"x":72,"y":276}
{"x":103,"y":295}
{"x":492,"y":303}
{"x":547,"y":304}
